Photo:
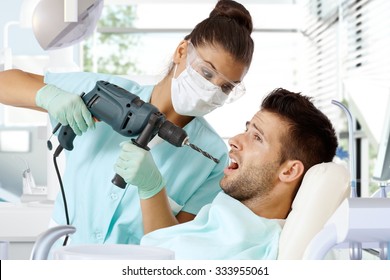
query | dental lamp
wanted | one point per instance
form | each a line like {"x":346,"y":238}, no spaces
{"x":51,"y":29}
{"x":56,"y":24}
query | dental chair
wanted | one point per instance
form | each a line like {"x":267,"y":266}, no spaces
{"x":323,"y":189}
{"x":325,"y":217}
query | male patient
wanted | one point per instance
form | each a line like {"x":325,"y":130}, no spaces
{"x":268,"y":161}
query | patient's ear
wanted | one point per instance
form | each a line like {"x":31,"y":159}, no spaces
{"x":291,"y":170}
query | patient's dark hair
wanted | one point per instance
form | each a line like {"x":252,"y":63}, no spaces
{"x":311,"y":137}
{"x":229,"y":25}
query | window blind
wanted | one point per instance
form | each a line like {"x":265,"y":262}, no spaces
{"x":346,"y":55}
{"x":367,"y":24}
{"x":320,"y":59}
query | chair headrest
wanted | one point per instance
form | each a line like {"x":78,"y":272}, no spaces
{"x":323,"y":188}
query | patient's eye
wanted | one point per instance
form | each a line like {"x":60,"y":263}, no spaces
{"x":258,"y":137}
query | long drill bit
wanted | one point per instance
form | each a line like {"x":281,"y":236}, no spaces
{"x":201,"y":151}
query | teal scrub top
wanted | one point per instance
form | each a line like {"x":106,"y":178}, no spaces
{"x":105,"y":213}
{"x":224,"y":229}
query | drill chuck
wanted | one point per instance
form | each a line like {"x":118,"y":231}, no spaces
{"x":173,"y":134}
{"x":178,"y":137}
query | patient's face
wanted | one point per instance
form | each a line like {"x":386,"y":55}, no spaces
{"x":255,"y":160}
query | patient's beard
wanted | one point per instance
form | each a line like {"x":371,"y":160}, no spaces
{"x":251,"y":183}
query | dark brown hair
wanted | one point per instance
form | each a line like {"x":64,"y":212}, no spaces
{"x":229,"y":25}
{"x":311,"y":137}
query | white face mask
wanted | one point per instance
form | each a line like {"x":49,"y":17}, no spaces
{"x":193,"y":95}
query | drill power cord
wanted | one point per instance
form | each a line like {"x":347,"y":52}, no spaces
{"x":55,"y":155}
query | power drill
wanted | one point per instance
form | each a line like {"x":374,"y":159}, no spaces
{"x":128,"y":115}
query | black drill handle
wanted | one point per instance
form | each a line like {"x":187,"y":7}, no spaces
{"x":119,"y":181}
{"x":142,"y":141}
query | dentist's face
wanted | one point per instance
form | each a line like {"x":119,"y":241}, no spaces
{"x":255,"y":161}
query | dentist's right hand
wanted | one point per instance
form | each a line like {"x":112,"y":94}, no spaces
{"x":68,"y":109}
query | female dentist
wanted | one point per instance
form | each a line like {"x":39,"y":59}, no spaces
{"x":207,"y":70}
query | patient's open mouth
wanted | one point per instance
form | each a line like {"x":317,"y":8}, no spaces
{"x":233,"y":164}
{"x":232,"y":167}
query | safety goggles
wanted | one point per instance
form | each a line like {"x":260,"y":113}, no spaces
{"x":232,"y":89}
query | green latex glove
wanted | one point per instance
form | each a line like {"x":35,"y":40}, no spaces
{"x":68,"y":109}
{"x":136,"y":166}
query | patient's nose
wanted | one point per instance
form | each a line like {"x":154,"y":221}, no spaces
{"x":234,"y":142}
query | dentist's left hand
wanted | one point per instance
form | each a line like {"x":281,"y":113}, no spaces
{"x":137,"y":167}
{"x":68,"y":109}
